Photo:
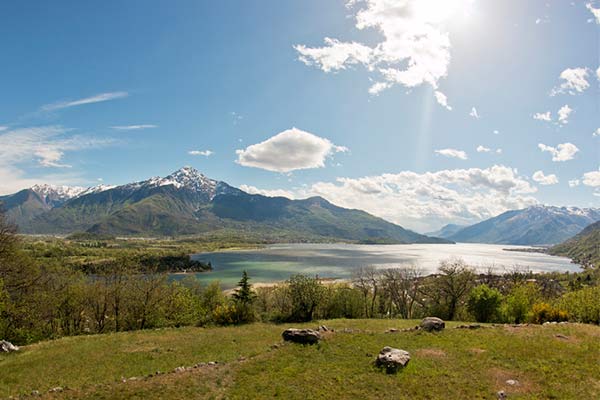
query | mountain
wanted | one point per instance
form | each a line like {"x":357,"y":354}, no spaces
{"x":189,"y":203}
{"x":536,"y":225}
{"x":583,"y":248}
{"x":22,"y":207}
{"x":446,"y":230}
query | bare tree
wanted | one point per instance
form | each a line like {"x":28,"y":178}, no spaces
{"x":402,"y":287}
{"x":366,"y":279}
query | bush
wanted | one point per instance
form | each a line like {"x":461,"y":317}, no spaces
{"x":582,"y":305}
{"x":484,"y":303}
{"x":544,"y":312}
{"x":520,"y":301}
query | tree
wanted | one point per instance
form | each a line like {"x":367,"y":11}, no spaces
{"x":450,"y":287}
{"x":366,"y":279}
{"x":402,"y":285}
{"x":484,"y":303}
{"x":243,"y":297}
{"x":306,"y":294}
{"x":520,"y":301}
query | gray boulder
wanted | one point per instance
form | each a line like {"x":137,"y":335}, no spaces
{"x":304,"y":336}
{"x":7,"y":347}
{"x":431,"y":324}
{"x":392,"y":359}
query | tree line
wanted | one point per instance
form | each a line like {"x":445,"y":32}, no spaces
{"x":41,"y":298}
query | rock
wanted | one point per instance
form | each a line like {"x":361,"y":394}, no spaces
{"x":36,"y":393}
{"x":179,"y":369}
{"x":392,"y":359}
{"x":559,"y":336}
{"x":323,"y":328}
{"x":431,"y":324}
{"x":512,"y":382}
{"x":304,"y":336}
{"x":57,"y":389}
{"x":7,"y":347}
{"x":501,"y":395}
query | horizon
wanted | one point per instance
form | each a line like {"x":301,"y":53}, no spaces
{"x":334,"y":105}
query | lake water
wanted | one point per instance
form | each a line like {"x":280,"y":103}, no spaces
{"x":277,"y":262}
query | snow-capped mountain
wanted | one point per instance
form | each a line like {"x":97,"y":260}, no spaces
{"x":536,"y":225}
{"x":187,"y":202}
{"x":55,"y":195}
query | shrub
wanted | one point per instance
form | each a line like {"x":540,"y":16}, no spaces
{"x":520,"y":301}
{"x":582,"y":305}
{"x":544,"y":312}
{"x":224,"y":314}
{"x":484,"y":303}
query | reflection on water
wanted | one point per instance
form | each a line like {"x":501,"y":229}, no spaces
{"x":278,"y":262}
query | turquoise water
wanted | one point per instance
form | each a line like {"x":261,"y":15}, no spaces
{"x":278,"y":262}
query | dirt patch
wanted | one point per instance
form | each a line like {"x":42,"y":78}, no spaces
{"x":432,"y":353}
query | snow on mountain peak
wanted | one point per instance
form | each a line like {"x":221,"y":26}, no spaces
{"x":57,"y":192}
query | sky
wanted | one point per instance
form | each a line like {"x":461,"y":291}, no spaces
{"x":422,"y":112}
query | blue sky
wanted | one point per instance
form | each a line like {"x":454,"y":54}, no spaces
{"x":258,"y":78}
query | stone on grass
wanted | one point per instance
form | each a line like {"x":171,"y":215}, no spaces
{"x":431,"y":324}
{"x":304,"y":336}
{"x":501,"y":395}
{"x":7,"y":347}
{"x":392,"y":359}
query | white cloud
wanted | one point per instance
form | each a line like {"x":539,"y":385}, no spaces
{"x":547,"y":116}
{"x":424,"y":201}
{"x":474,"y":113}
{"x":134,"y":127}
{"x":498,"y":151}
{"x":594,"y":11}
{"x":415,"y":49}
{"x":452,"y":153}
{"x":574,"y":81}
{"x":592,"y":179}
{"x":542,"y":179}
{"x":563,"y":114}
{"x":205,"y":153}
{"x":88,"y":100}
{"x":598,"y":73}
{"x":574,"y":183}
{"x":596,"y":132}
{"x":496,"y":132}
{"x":483,"y":149}
{"x":43,"y":147}
{"x":289,"y":150}
{"x":562,"y":152}
{"x":442,"y":100}
{"x":3,"y":128}
{"x":266,"y":192}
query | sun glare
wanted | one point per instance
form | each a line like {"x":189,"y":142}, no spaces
{"x":439,"y":11}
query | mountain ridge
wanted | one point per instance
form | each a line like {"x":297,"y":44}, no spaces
{"x":535,"y":225}
{"x":186,"y":202}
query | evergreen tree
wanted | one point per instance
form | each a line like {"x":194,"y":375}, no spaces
{"x":243,"y":298}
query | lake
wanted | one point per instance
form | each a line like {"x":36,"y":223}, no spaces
{"x":277,"y":262}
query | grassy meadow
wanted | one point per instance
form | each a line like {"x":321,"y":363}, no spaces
{"x":549,"y":362}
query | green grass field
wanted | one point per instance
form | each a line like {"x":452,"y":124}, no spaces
{"x":549,"y":362}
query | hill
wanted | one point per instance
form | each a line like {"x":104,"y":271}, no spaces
{"x":536,"y":225}
{"x":252,"y":362}
{"x":446,"y":230}
{"x":583,"y":248}
{"x":188,"y":203}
